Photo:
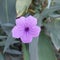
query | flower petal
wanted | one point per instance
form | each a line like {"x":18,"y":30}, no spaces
{"x":20,"y":21}
{"x":26,"y":38}
{"x":35,"y":31}
{"x":17,"y":32}
{"x":31,"y":20}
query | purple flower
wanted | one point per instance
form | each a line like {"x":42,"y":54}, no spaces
{"x":26,"y":29}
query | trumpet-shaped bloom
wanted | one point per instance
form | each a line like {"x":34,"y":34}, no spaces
{"x":26,"y":29}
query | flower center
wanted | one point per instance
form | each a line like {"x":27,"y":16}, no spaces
{"x":27,"y":29}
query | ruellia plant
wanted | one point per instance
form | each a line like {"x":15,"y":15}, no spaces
{"x":29,"y":29}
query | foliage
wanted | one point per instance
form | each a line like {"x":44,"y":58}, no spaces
{"x":41,"y":48}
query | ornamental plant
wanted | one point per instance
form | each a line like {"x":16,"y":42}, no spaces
{"x":29,"y":29}
{"x":26,"y":29}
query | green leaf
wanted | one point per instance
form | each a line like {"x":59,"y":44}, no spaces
{"x":7,"y":14}
{"x":16,"y":58}
{"x":2,"y":43}
{"x":25,"y":52}
{"x":54,"y":15}
{"x":45,"y":48}
{"x":21,"y":6}
{"x":7,"y":11}
{"x":8,"y":25}
{"x":1,"y":57}
{"x":39,"y":20}
{"x":55,"y":40}
{"x":12,"y":51}
{"x":33,"y":49}
{"x":3,"y":37}
{"x":49,"y":11}
{"x":9,"y":41}
{"x":56,"y":2}
{"x":6,"y":29}
{"x":49,"y":2}
{"x":54,"y":29}
{"x":45,"y":13}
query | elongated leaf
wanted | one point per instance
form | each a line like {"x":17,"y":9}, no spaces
{"x":54,"y":29}
{"x":49,"y":2}
{"x":33,"y":49}
{"x":7,"y":29}
{"x":52,"y":9}
{"x":56,"y":2}
{"x":25,"y":52}
{"x":47,"y":12}
{"x":12,"y":51}
{"x":1,"y":57}
{"x":16,"y":58}
{"x":9,"y":41}
{"x":46,"y":51}
{"x":2,"y":43}
{"x":55,"y":15}
{"x":39,"y":20}
{"x":7,"y":14}
{"x":3,"y":37}
{"x":21,"y":6}
{"x":33,"y":46}
{"x":7,"y":11}
{"x":55,"y":40}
